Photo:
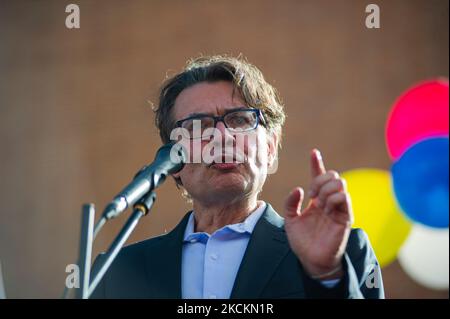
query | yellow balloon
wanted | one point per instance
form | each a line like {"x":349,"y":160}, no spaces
{"x":376,"y":211}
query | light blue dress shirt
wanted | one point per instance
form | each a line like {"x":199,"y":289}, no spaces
{"x":210,"y":263}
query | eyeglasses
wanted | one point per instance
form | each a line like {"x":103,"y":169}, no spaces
{"x":236,"y":120}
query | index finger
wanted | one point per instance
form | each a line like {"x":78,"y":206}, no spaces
{"x":317,"y":166}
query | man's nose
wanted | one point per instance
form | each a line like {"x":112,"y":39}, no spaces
{"x":224,"y":132}
{"x":220,"y":125}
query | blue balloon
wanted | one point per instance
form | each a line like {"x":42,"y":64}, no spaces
{"x":420,"y":178}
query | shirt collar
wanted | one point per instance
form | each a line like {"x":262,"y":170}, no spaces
{"x":246,"y":226}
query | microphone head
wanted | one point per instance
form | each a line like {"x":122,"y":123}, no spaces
{"x":173,"y":155}
{"x":169,"y":159}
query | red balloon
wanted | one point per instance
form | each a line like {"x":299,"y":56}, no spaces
{"x":420,"y":112}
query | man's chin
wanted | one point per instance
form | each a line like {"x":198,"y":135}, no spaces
{"x":227,"y":183}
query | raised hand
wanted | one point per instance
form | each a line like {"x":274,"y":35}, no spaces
{"x":318,"y":234}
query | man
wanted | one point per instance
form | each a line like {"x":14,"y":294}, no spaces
{"x":233,"y":245}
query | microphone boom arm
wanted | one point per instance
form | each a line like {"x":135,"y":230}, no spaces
{"x":169,"y":159}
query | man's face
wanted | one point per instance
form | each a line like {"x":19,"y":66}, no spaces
{"x":223,"y":182}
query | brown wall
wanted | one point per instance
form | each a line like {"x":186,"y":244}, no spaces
{"x":75,"y":124}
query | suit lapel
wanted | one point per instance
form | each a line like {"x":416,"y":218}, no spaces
{"x":164,"y":257}
{"x":266,"y":249}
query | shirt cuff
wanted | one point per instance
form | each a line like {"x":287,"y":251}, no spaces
{"x":330,"y":283}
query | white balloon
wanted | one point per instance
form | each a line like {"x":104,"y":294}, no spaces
{"x":424,"y":256}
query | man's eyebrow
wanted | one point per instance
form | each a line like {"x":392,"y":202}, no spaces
{"x":210,"y":114}
{"x":198,"y":114}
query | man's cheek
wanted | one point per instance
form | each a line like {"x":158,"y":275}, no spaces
{"x":259,"y":151}
{"x":247,"y":144}
{"x":188,"y":171}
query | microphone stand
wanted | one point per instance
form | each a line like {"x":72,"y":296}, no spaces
{"x":84,"y":256}
{"x":141,"y":208}
{"x":87,"y":287}
{"x":140,"y":194}
{"x":87,"y":238}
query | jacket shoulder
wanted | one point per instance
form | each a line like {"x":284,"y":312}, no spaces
{"x":143,"y":244}
{"x":358,"y":242}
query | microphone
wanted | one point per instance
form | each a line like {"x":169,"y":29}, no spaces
{"x":169,"y":159}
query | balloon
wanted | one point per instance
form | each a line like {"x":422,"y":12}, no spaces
{"x":424,"y":256}
{"x":421,"y":112}
{"x":376,"y":211}
{"x":421,"y":182}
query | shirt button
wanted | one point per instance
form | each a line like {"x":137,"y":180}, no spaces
{"x":193,"y":240}
{"x":214,"y":256}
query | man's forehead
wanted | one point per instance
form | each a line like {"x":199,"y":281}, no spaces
{"x":207,"y":98}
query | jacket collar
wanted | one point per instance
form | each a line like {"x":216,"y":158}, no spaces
{"x":163,"y":256}
{"x":265,"y":250}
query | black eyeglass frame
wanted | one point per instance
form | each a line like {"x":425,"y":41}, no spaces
{"x":258,"y":112}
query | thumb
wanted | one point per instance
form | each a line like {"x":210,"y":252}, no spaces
{"x":293,"y":203}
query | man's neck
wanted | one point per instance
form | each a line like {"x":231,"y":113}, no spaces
{"x":208,"y":219}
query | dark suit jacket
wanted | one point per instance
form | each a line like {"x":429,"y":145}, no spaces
{"x":269,"y":269}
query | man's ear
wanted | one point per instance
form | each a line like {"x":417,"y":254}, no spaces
{"x":272,"y":148}
{"x":177,"y":179}
{"x":176,"y":175}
